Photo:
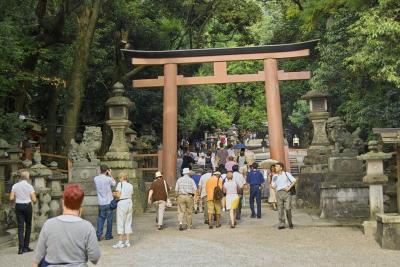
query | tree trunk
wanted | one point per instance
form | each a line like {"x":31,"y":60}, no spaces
{"x":52,"y":119}
{"x":86,"y":20}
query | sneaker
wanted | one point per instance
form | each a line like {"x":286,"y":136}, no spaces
{"x":205,"y":221}
{"x":118,"y":245}
{"x":210,"y":227}
{"x":252,"y":216}
{"x":27,"y":249}
{"x":181,"y":227}
{"x":109,"y":238}
{"x":218,"y":226}
{"x":160,"y":227}
{"x":280,"y":227}
{"x":127,"y":244}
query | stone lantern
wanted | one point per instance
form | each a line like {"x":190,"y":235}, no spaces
{"x":118,"y":106}
{"x":4,"y":146}
{"x":318,"y":103}
{"x":375,"y":178}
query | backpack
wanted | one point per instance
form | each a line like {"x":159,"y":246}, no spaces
{"x":218,"y":193}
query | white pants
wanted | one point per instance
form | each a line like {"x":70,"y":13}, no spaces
{"x":124,"y":217}
{"x":160,"y":208}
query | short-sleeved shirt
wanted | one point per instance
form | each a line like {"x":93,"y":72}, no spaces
{"x":158,"y":188}
{"x":103,"y":187}
{"x":22,"y":191}
{"x":255,"y":177}
{"x":210,"y":185}
{"x":239,"y":179}
{"x":231,"y":187}
{"x":185,"y":185}
{"x":282,"y":180}
{"x":229,"y":165}
{"x":126,"y":190}
{"x":203,"y":179}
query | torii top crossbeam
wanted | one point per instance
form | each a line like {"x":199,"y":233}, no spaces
{"x":219,"y":57}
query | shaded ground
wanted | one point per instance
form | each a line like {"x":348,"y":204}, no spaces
{"x":253,"y":243}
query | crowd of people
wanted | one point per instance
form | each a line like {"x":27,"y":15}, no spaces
{"x":69,"y":239}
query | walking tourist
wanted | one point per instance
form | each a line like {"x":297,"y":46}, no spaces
{"x":158,"y":195}
{"x":24,"y":194}
{"x":255,"y":179}
{"x":187,"y":160}
{"x":68,"y":239}
{"x":272,"y":192}
{"x":124,"y":210}
{"x":241,"y":161}
{"x":240,"y":181}
{"x":230,"y":162}
{"x":222,"y":155}
{"x":232,"y":197}
{"x":197,"y":201}
{"x":203,"y":193}
{"x":186,"y":189}
{"x":214,"y":197}
{"x":231,"y":151}
{"x":104,"y":181}
{"x":283,"y":182}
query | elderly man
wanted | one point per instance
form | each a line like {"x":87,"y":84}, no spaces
{"x":158,"y":195}
{"x":24,"y":194}
{"x":282,"y":182}
{"x":103,"y":183}
{"x":185,"y":188}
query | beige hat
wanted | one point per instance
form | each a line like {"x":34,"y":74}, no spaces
{"x":158,"y":174}
{"x":217,"y":173}
{"x":186,"y":171}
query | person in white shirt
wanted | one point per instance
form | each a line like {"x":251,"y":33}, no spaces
{"x":24,"y":194}
{"x":241,"y":181}
{"x":124,"y":210}
{"x":203,"y":193}
{"x":282,"y":182}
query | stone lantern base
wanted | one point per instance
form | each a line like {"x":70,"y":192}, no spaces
{"x":388,"y":230}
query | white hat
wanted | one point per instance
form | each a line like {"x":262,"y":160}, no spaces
{"x":217,"y":173}
{"x":158,"y":174}
{"x":202,"y":154}
{"x":185,"y":171}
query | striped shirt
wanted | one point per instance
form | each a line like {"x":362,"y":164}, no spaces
{"x":185,"y":185}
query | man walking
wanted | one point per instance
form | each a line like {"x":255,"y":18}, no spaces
{"x":186,"y":189}
{"x":158,"y":195}
{"x":202,"y":191}
{"x":282,"y":182}
{"x":24,"y":194}
{"x":104,"y":181}
{"x":255,"y":179}
{"x":214,"y":203}
{"x":240,"y":181}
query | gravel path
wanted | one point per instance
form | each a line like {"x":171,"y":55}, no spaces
{"x":254,"y":242}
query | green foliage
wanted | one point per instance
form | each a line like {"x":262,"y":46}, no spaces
{"x":12,"y":129}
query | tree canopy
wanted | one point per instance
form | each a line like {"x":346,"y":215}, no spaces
{"x":60,"y":59}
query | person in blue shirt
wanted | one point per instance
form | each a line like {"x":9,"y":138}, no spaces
{"x":255,"y":179}
{"x":197,"y":201}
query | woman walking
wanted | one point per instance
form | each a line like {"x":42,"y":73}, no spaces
{"x":272,"y":192}
{"x":68,"y":239}
{"x":124,"y":211}
{"x":232,"y":197}
{"x":24,"y":195}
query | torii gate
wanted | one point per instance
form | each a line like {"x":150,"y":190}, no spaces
{"x":219,"y":56}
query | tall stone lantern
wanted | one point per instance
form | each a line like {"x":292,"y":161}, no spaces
{"x":318,"y":103}
{"x":118,"y":106}
{"x":118,"y":156}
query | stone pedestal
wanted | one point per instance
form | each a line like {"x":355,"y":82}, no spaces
{"x":83,"y":173}
{"x":388,"y":231}
{"x":344,"y":200}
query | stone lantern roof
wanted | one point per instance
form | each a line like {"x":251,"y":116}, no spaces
{"x":315,"y":94}
{"x":118,"y":99}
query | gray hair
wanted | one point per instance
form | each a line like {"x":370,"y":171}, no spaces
{"x":24,"y":174}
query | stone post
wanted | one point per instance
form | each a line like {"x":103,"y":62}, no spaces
{"x":55,"y":190}
{"x":3,"y":148}
{"x":375,"y":178}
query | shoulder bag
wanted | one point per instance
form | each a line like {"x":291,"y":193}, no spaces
{"x":169,"y":203}
{"x":293,"y":188}
{"x":114,"y":202}
{"x":218,"y":193}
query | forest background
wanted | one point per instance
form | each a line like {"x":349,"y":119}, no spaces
{"x":60,"y":58}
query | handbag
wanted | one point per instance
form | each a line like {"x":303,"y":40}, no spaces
{"x":114,"y":202}
{"x":292,"y":190}
{"x":168,"y":204}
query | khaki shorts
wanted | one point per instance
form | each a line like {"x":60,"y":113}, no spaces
{"x":214,"y":206}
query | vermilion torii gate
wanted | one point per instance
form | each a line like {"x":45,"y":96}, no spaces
{"x":219,"y":56}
